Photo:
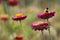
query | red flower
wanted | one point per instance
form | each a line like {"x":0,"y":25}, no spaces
{"x":1,"y":1}
{"x":12,"y":2}
{"x":4,"y":17}
{"x":46,"y":14}
{"x":40,"y":26}
{"x":19,"y":16}
{"x":18,"y":37}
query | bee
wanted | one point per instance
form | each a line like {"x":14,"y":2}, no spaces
{"x":45,"y":11}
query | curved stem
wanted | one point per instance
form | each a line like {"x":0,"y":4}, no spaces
{"x":6,"y":8}
{"x":21,"y":26}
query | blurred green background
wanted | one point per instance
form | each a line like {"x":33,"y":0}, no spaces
{"x":31,"y":8}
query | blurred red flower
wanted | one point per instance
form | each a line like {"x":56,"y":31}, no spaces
{"x":12,"y":2}
{"x":40,"y":26}
{"x":4,"y":17}
{"x":1,"y":1}
{"x":18,"y":37}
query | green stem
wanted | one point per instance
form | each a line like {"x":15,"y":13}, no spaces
{"x":6,"y":8}
{"x":49,"y":30}
{"x":19,"y":29}
{"x":42,"y":35}
{"x":20,"y":23}
{"x":21,"y":26}
{"x":49,"y":34}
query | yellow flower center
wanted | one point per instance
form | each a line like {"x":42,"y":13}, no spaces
{"x":39,"y":22}
{"x":4,"y":16}
{"x":19,"y":14}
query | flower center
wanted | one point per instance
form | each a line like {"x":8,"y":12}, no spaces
{"x":4,"y":16}
{"x":40,"y":22}
{"x":19,"y":14}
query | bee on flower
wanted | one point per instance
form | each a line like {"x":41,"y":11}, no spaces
{"x":46,"y":14}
